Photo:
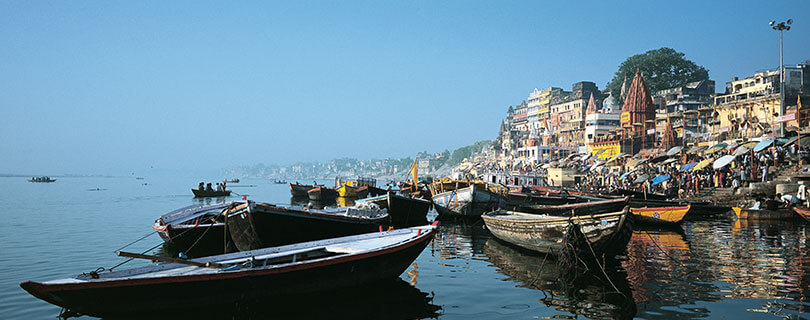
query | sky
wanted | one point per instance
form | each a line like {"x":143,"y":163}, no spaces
{"x":113,"y":87}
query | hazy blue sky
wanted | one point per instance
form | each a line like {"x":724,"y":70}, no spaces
{"x":119,"y":86}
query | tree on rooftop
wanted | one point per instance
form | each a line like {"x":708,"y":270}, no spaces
{"x":661,"y":68}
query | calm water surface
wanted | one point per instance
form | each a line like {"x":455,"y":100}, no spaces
{"x":708,"y":269}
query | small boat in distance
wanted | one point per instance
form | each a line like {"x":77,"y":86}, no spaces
{"x":208,"y":194}
{"x":231,"y":181}
{"x":301,"y":268}
{"x":41,"y":179}
{"x":300,"y":190}
{"x":279,"y":182}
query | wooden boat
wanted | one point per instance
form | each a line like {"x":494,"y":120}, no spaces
{"x":404,"y":211}
{"x":471,"y":201}
{"x":578,"y":209}
{"x":660,"y":215}
{"x":347,"y":191}
{"x":42,"y":179}
{"x":300,"y":268}
{"x":802,"y":212}
{"x":517,"y":199}
{"x":758,"y":214}
{"x":207,"y":194}
{"x":322,"y":194}
{"x":300,"y":190}
{"x":196,"y":230}
{"x":606,"y":233}
{"x":374,"y":191}
{"x":638,"y":194}
{"x":231,"y":181}
{"x":259,"y":225}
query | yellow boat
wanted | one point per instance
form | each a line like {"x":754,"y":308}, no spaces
{"x":664,"y":215}
{"x":354,"y":188}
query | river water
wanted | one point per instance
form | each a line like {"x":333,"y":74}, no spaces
{"x":706,"y":269}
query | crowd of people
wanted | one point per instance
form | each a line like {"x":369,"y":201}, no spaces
{"x":207,"y":187}
{"x":640,"y":175}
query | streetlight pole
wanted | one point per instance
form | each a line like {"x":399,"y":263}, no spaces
{"x":781,"y":27}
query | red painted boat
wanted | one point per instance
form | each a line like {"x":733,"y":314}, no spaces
{"x":315,"y":266}
{"x":803,"y":212}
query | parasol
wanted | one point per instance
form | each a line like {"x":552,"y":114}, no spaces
{"x":688,"y":166}
{"x":657,"y":180}
{"x":723,"y":161}
{"x":762,"y":145}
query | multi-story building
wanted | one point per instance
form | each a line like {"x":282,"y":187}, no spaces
{"x":568,"y":115}
{"x":681,"y":107}
{"x":750,"y":107}
{"x":599,"y":122}
{"x":519,"y":118}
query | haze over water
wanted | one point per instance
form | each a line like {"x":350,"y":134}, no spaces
{"x":715,"y":269}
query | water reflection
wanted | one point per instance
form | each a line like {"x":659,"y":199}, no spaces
{"x":586,"y":293}
{"x":460,"y":239}
{"x":670,"y":272}
{"x":384,"y":300}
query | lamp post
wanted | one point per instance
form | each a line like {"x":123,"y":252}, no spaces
{"x":781,"y":27}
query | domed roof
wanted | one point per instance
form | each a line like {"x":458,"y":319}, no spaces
{"x":609,"y":104}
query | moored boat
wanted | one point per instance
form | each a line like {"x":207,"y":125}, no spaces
{"x":208,"y":194}
{"x":606,"y":233}
{"x":471,"y":201}
{"x":347,"y":191}
{"x":259,"y":225}
{"x":758,"y":214}
{"x":578,"y":209}
{"x":195,"y":230}
{"x":660,"y":215}
{"x":404,"y":211}
{"x":300,"y":190}
{"x":518,"y":199}
{"x":322,"y":194}
{"x":802,"y":212}
{"x":301,"y":268}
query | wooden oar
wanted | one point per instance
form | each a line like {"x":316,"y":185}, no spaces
{"x":172,"y":260}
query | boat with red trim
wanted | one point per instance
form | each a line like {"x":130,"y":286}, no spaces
{"x":315,"y":266}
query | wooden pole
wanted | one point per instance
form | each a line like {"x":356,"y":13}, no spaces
{"x":170,"y":260}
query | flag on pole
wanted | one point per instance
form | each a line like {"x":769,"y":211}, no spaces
{"x":414,"y":173}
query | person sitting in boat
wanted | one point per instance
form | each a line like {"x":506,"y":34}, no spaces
{"x":201,"y":187}
{"x":218,"y":187}
{"x":757,"y":205}
{"x":208,"y":187}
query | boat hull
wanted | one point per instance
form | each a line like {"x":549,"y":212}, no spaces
{"x":209,"y":194}
{"x":407,"y":212}
{"x":148,"y":295}
{"x":578,"y":209}
{"x":193,"y":240}
{"x":802,"y":212}
{"x":606,"y":233}
{"x":299,"y":190}
{"x":754,"y":214}
{"x":267,"y":226}
{"x":322,"y":194}
{"x":470,"y":201}
{"x":663,"y":215}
